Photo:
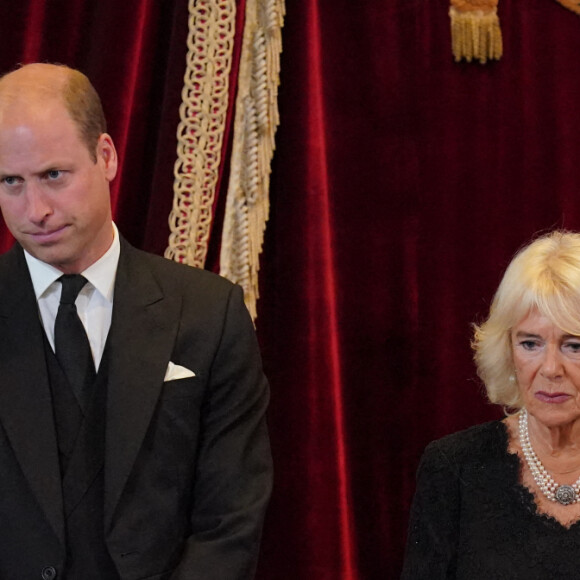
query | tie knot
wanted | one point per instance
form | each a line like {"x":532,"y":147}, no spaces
{"x":71,"y":286}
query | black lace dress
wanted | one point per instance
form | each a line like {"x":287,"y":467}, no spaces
{"x":471,"y":519}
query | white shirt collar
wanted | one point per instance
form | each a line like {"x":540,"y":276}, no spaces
{"x":101,"y":274}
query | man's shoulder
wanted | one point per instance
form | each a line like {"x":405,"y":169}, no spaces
{"x":170,"y":273}
{"x":11,"y":262}
{"x":10,"y":257}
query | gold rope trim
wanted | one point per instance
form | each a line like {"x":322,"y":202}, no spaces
{"x":200,"y":132}
{"x":255,"y":124}
{"x":475,"y":30}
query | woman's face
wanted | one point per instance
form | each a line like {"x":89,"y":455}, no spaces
{"x":547,"y":363}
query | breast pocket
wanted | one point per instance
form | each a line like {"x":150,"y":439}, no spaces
{"x":180,"y":403}
{"x":182,"y":388}
{"x":176,"y":426}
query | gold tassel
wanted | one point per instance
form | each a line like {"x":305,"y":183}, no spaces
{"x":571,"y":5}
{"x":475,"y":31}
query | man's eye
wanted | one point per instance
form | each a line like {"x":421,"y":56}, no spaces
{"x":10,"y":180}
{"x":53,"y":174}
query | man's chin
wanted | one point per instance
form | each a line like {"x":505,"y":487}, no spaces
{"x":49,"y":255}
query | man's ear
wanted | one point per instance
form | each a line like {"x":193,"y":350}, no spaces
{"x":107,"y":155}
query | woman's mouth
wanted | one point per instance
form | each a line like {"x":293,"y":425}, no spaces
{"x":554,"y":398}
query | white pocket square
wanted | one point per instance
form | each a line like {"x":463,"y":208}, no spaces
{"x":174,"y":372}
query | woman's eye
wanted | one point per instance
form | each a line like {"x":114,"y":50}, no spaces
{"x":574,"y":347}
{"x":528,"y":344}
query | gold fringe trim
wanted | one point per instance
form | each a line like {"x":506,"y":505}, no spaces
{"x":573,"y":5}
{"x":200,"y":131}
{"x":475,"y":34}
{"x":247,"y":204}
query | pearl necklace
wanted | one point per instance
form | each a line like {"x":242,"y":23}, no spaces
{"x":564,"y":494}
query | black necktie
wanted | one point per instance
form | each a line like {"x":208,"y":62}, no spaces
{"x":72,"y":347}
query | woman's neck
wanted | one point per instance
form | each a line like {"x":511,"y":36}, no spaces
{"x":556,"y":442}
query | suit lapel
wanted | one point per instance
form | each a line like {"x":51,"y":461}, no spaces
{"x":141,"y":341}
{"x":25,"y":401}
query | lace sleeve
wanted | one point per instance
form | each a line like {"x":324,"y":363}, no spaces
{"x":434,"y":520}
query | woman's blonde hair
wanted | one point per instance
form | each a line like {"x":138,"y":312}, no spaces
{"x":544,"y":276}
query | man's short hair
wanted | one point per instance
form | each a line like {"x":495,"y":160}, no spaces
{"x":78,"y":96}
{"x":85,"y":108}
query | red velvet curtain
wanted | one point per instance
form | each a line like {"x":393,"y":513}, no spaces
{"x":402,"y":185}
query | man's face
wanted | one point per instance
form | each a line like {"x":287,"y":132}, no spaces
{"x":55,"y":200}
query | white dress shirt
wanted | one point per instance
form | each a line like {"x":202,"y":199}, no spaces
{"x":94,"y":302}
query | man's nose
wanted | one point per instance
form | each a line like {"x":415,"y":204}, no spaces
{"x":38,"y":206}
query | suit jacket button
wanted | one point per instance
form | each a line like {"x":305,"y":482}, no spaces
{"x":48,"y":573}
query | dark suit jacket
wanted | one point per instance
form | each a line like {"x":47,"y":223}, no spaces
{"x":187,"y":463}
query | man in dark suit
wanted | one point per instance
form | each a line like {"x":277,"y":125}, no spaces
{"x":148,"y":457}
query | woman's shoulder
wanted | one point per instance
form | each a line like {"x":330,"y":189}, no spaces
{"x":486,"y":439}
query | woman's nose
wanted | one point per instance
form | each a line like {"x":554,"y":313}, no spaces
{"x":552,"y":363}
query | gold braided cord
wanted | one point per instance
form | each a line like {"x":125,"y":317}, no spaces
{"x":475,"y":30}
{"x":200,"y":131}
{"x":247,"y":204}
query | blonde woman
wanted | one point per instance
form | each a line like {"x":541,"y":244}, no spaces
{"x":502,"y":500}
